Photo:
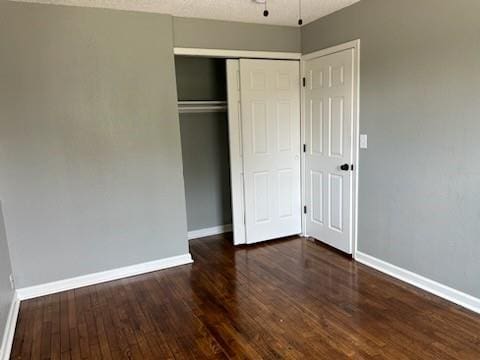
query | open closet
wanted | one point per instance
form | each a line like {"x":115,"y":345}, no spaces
{"x":202,"y":105}
{"x":240,"y":131}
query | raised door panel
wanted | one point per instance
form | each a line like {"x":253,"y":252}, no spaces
{"x":286,"y":178}
{"x":316,"y":200}
{"x":259,"y":127}
{"x":261,"y":197}
{"x":316,"y":125}
{"x":284,"y":126}
{"x":335,"y":202}
{"x":336,"y":125}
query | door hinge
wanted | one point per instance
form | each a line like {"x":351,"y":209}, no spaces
{"x":304,"y":81}
{"x":304,"y":148}
{"x":352,"y":167}
{"x":305,"y":209}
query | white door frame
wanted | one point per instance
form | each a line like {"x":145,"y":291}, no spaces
{"x":235,"y":54}
{"x":355,"y":45}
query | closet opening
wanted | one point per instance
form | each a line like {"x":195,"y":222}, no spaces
{"x":203,"y":114}
{"x":240,"y":132}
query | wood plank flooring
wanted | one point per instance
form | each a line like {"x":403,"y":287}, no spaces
{"x":290,"y":299}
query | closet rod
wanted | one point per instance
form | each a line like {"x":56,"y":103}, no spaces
{"x":202,"y":106}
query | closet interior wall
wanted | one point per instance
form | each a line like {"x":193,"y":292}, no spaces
{"x":205,"y":145}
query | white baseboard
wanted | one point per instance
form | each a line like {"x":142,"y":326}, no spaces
{"x":100,"y":277}
{"x":455,"y":296}
{"x":216,"y":230}
{"x":9,"y":332}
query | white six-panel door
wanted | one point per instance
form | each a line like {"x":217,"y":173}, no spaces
{"x":270,"y":108}
{"x":329,"y":130}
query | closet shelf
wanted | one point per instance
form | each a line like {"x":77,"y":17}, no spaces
{"x":202,"y":106}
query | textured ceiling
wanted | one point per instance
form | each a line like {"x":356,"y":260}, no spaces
{"x":282,"y":12}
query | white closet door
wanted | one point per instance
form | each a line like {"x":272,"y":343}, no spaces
{"x":236,"y":151}
{"x":329,"y":157}
{"x":270,"y":103}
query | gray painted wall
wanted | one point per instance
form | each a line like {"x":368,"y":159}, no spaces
{"x":213,"y":34}
{"x":91,"y":158}
{"x":420,"y":85}
{"x":6,"y":292}
{"x":205,"y":149}
{"x":200,"y":78}
{"x":206,"y":169}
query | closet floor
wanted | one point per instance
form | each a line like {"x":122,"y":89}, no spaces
{"x":288,"y":299}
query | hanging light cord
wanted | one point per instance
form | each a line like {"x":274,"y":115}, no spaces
{"x":300,"y":21}
{"x":265,"y":12}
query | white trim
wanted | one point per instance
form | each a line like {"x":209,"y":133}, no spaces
{"x":216,"y":230}
{"x":100,"y":277}
{"x":9,"y":331}
{"x":221,"y":53}
{"x":443,"y":291}
{"x":302,"y":142}
{"x":356,"y":143}
{"x":355,"y":44}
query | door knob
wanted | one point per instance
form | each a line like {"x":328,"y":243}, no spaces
{"x":345,"y":167}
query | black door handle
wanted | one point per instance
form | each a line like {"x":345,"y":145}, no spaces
{"x":345,"y":167}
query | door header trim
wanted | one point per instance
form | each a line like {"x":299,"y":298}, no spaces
{"x":221,"y":53}
{"x":354,"y":44}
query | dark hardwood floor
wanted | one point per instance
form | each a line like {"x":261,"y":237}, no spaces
{"x":291,"y":299}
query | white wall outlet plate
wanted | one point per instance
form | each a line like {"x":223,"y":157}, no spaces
{"x":363,"y":141}
{"x":12,"y":281}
